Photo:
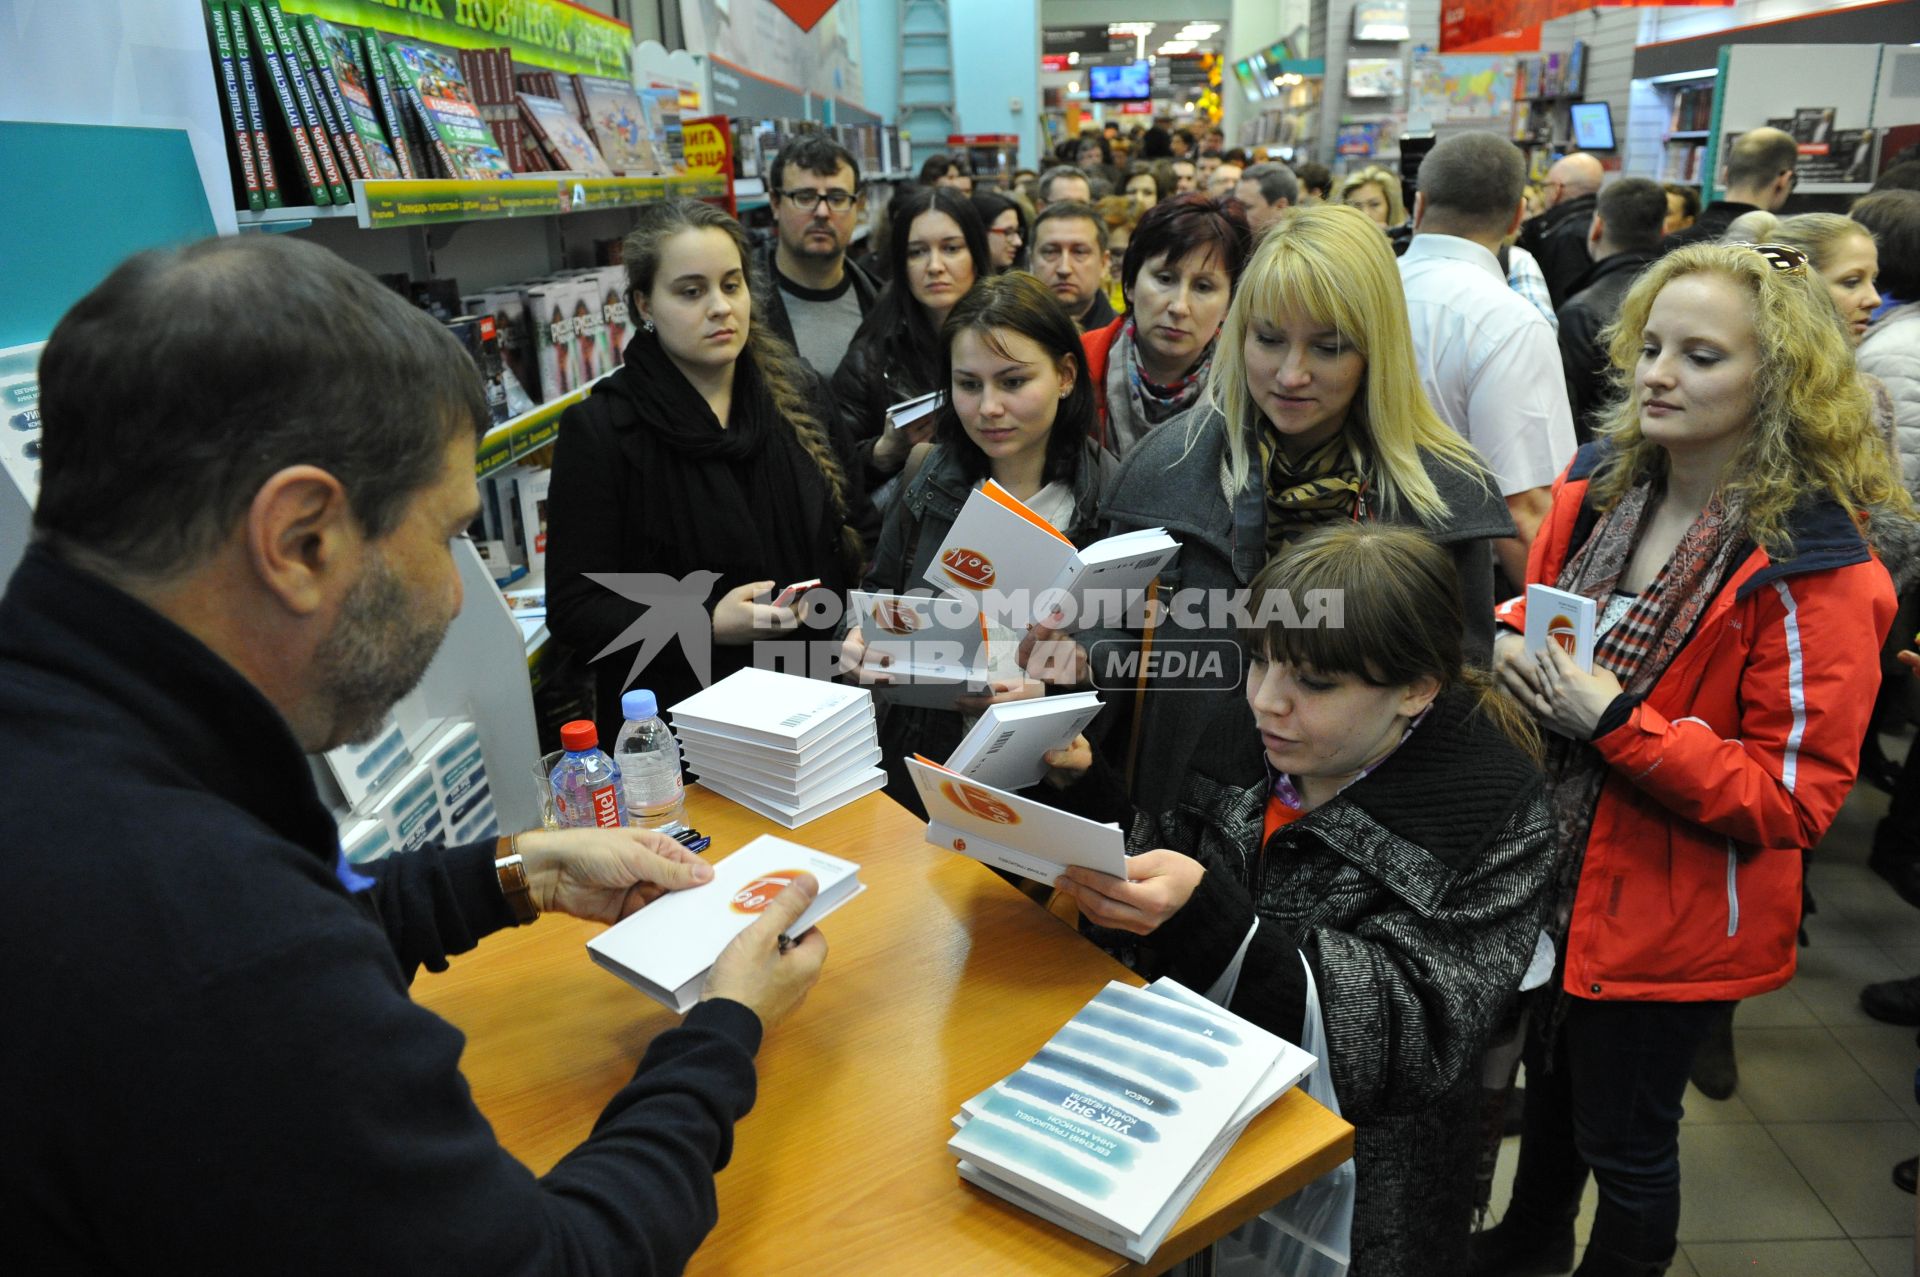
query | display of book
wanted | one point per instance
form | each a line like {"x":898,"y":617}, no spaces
{"x":322,"y":129}
{"x":1111,"y":1129}
{"x":569,"y":147}
{"x":432,"y":86}
{"x":338,"y":47}
{"x":612,"y":111}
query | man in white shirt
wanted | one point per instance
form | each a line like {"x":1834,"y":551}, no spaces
{"x":1489,"y":361}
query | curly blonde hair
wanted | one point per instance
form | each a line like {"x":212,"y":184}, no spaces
{"x":1812,"y":425}
{"x":1332,"y":263}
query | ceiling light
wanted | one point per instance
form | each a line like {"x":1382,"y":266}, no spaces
{"x":1073,"y":59}
{"x":1130,"y":28}
{"x":1177,"y":46}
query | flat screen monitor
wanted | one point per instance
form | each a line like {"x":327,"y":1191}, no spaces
{"x":1592,"y":126}
{"x":1380,"y":20}
{"x":1131,"y":82}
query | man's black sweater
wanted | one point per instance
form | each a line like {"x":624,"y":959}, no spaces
{"x":215,"y":1065}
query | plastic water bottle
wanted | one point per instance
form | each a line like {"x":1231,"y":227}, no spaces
{"x":649,"y":760}
{"x":585,"y":782}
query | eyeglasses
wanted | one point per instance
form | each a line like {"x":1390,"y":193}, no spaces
{"x":838,"y":201}
{"x":1011,"y":232}
{"x":1784,"y":258}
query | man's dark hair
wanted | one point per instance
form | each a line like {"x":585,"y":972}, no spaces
{"x":1186,"y":224}
{"x":1634,"y":209}
{"x":939,"y":166}
{"x":1276,"y":182}
{"x":1315,"y":177}
{"x":1234,"y":155}
{"x":1760,"y":156}
{"x":1156,"y":144}
{"x":1186,"y":135}
{"x":1473,"y":181}
{"x":1061,"y":210}
{"x":1899,"y":177}
{"x":1689,"y":197}
{"x":814,"y":153}
{"x":190,"y":376}
{"x":1893,"y":219}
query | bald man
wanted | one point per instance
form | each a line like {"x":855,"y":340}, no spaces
{"x":1558,"y":236}
{"x":1760,"y":175}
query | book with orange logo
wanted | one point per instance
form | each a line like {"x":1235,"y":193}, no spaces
{"x":1009,"y":832}
{"x":666,"y":949}
{"x":1557,"y":616}
{"x":934,"y":647}
{"x":1018,"y":564}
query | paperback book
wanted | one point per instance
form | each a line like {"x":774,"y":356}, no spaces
{"x":1000,"y":548}
{"x":1562,"y":617}
{"x":667,"y":949}
{"x":260,"y":33}
{"x":322,"y":129}
{"x":927,"y":653}
{"x":336,"y":48}
{"x":247,"y":192}
{"x":1006,"y":831}
{"x":568,"y":145}
{"x":1007,"y":746}
{"x":371,"y":55}
{"x":251,"y":92}
{"x":612,"y":110}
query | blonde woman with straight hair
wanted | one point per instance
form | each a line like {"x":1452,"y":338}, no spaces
{"x":1313,"y":415}
{"x":1376,"y":193}
{"x":1378,"y":810}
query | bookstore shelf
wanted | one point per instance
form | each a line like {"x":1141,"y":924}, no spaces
{"x":385,"y":203}
{"x":513,"y":439}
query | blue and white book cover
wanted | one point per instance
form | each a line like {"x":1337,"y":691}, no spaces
{"x":1113,"y":1115}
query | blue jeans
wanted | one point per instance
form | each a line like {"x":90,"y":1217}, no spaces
{"x":1604,"y":1096}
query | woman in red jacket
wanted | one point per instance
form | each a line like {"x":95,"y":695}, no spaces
{"x":1717,"y":525}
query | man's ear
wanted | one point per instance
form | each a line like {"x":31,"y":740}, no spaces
{"x":301,"y":537}
{"x":1419,"y":208}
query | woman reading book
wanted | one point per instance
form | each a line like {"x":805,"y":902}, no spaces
{"x":1018,"y":412}
{"x":1364,"y":860}
{"x":1723,"y":524}
{"x":937,"y":251}
{"x":1313,"y":414}
{"x":707,"y":464}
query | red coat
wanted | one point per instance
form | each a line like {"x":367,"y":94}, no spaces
{"x":1738,"y":758}
{"x":1097,"y":343}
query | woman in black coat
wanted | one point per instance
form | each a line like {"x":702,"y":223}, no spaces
{"x":937,"y":252}
{"x":695,"y":482}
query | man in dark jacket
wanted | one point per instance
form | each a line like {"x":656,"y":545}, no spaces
{"x":815,"y":296}
{"x":1760,"y":174}
{"x":1624,"y":237}
{"x":1557,"y":238}
{"x":242,"y":555}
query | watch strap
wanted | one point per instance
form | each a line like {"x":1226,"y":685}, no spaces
{"x":517,"y":888}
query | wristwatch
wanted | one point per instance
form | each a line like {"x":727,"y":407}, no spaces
{"x":516,"y":888}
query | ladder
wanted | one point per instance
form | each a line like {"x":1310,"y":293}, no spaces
{"x":927,"y":111}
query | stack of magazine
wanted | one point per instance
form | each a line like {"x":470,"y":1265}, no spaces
{"x":789,"y":748}
{"x":1113,"y":1127}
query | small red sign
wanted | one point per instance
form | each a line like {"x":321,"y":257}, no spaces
{"x":805,"y":13}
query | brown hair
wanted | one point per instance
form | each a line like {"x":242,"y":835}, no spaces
{"x":778,"y":364}
{"x":1400,"y":617}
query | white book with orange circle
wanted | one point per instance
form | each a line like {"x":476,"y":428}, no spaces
{"x":1009,"y":832}
{"x":666,"y":949}
{"x":1562,"y":617}
{"x":1018,"y":564}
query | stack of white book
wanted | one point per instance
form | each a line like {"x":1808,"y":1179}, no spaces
{"x":666,"y":949}
{"x":787,"y":747}
{"x":1112,"y":1129}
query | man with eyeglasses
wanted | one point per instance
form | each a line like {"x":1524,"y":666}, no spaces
{"x":816,"y":296}
{"x":1070,"y":256}
{"x":1557,"y":238}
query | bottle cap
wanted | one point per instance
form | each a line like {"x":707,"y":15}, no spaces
{"x":639,"y":704}
{"x":579,"y":735}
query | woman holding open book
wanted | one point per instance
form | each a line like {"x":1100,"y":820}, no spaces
{"x":938,"y":251}
{"x":699,"y":478}
{"x":1313,"y":414}
{"x":1378,"y":884}
{"x":1723,"y":526}
{"x":1019,"y":412}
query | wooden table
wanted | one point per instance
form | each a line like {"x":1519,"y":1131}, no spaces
{"x":940,"y":980}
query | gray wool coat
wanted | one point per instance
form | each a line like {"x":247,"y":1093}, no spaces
{"x":1171,"y":480}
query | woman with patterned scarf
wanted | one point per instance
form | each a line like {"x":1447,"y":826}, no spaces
{"x":1723,"y":524}
{"x":1313,"y":414}
{"x":1178,"y":275}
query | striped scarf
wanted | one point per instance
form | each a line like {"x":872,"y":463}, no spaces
{"x":1322,"y":487}
{"x":1136,"y":405}
{"x":1637,"y":649}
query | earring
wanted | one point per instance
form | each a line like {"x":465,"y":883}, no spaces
{"x":646,"y":322}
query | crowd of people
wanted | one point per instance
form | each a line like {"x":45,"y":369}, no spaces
{"x":1403,"y":835}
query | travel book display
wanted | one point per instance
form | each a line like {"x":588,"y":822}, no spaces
{"x":667,"y":949}
{"x":312,"y":106}
{"x":787,"y":747}
{"x":1113,"y":1127}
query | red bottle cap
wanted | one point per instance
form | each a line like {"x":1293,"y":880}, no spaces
{"x":578,"y":735}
